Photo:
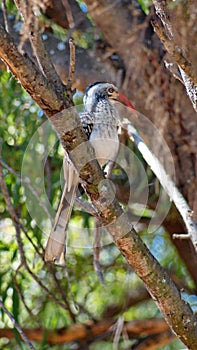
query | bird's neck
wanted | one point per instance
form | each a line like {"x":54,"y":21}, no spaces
{"x":102,"y":110}
{"x":92,"y":105}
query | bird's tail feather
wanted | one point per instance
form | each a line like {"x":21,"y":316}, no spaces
{"x":56,"y":245}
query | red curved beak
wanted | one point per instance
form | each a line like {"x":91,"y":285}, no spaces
{"x":124,"y":100}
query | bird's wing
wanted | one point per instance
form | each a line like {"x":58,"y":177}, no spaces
{"x":87,"y":120}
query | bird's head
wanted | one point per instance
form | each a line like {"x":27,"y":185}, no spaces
{"x":101,"y":90}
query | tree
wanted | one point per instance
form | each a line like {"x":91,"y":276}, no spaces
{"x":115,"y":41}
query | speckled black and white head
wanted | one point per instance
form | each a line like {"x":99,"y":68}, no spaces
{"x":97,"y":92}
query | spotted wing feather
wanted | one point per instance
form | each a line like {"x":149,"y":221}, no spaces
{"x":87,"y":121}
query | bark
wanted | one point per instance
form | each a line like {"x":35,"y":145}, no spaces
{"x":30,"y":77}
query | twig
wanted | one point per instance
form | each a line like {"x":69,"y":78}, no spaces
{"x":27,"y":73}
{"x":72,"y":64}
{"x":70,"y":289}
{"x":40,"y":254}
{"x":96,"y":250}
{"x":160,"y":7}
{"x":61,"y":291}
{"x":169,"y":186}
{"x":44,"y":60}
{"x":85,"y":206}
{"x":174,"y":70}
{"x":27,"y":183}
{"x":5,"y":16}
{"x":89,"y":332}
{"x":69,"y":14}
{"x":174,"y":51}
{"x":5,"y":193}
{"x":11,"y":210}
{"x":191,"y":87}
{"x":180,"y":235}
{"x":164,"y":30}
{"x":42,"y":56}
{"x":118,"y":329}
{"x":24,"y":262}
{"x":21,"y":296}
{"x":17,"y":326}
{"x":17,"y":225}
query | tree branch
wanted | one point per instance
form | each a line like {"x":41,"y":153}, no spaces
{"x":17,"y":326}
{"x":177,"y":313}
{"x":153,"y":342}
{"x":90,"y":331}
{"x":162,"y":289}
{"x":72,"y":64}
{"x":17,"y":226}
{"x":5,"y":15}
{"x":28,"y":184}
{"x":30,"y":77}
{"x":174,"y":51}
{"x":32,"y":30}
{"x":165,"y":32}
{"x":169,"y":186}
{"x":55,"y":10}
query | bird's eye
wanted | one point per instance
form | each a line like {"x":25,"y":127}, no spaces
{"x":111,"y":90}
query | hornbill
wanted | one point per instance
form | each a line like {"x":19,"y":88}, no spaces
{"x":100,"y":121}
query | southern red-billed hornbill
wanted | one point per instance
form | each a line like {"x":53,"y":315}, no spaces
{"x":100,"y":121}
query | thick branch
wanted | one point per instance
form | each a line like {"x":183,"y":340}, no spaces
{"x":45,"y":64}
{"x":59,"y":52}
{"x":90,"y":331}
{"x":29,"y":76}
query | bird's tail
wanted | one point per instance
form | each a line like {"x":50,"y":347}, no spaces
{"x":56,"y":245}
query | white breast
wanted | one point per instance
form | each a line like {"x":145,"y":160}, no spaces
{"x":106,"y":146}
